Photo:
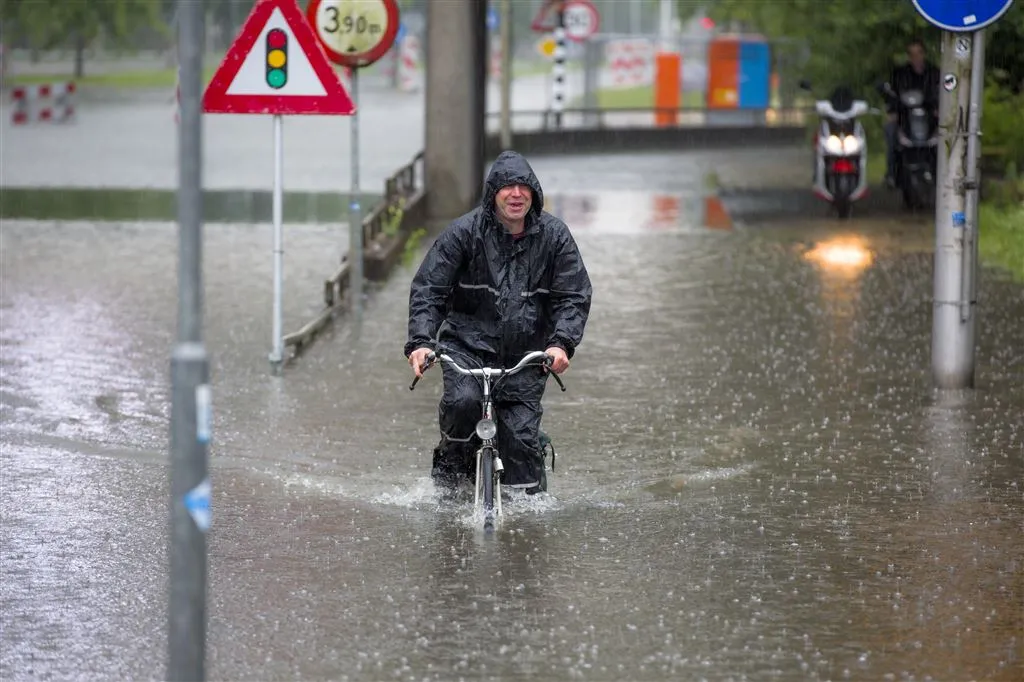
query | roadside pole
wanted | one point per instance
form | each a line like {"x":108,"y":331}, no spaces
{"x":277,"y":215}
{"x":355,"y":216}
{"x":962,"y":82}
{"x":505,"y":25}
{"x":956,"y":210}
{"x":558,"y":66}
{"x":190,"y":391}
{"x":354,"y":35}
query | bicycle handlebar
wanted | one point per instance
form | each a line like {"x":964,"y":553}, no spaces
{"x":489,"y":371}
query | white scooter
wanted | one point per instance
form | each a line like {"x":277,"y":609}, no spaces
{"x":841,"y":151}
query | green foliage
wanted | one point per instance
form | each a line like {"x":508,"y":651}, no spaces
{"x":1001,"y":119}
{"x":1001,"y":237}
{"x":46,"y":28}
{"x":857,"y":42}
{"x":413,"y":246}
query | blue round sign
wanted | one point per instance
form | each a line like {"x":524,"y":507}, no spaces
{"x":492,"y":18}
{"x":962,"y":15}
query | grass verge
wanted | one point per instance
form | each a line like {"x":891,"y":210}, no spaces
{"x":641,"y":97}
{"x":142,"y":79}
{"x":1001,"y":237}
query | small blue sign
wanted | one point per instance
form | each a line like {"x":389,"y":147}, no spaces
{"x":197,"y":503}
{"x":492,"y":19}
{"x":962,"y":15}
{"x":959,"y":219}
{"x":400,"y":33}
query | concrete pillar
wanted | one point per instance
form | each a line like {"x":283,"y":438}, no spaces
{"x":456,"y":103}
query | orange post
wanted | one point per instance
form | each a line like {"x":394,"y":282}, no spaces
{"x":666,"y":87}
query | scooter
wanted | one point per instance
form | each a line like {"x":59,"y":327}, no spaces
{"x":841,"y":153}
{"x":917,"y":146}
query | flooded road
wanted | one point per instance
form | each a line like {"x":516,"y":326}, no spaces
{"x":754,"y":479}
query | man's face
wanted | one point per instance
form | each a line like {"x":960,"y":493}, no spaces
{"x":513,"y":202}
{"x":915,"y":53}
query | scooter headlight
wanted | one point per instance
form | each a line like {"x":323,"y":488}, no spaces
{"x":851,"y":145}
{"x":833,"y":145}
{"x":486,"y":429}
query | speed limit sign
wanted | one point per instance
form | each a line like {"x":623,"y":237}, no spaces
{"x":354,"y":33}
{"x":581,"y":19}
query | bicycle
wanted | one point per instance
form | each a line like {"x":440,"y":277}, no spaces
{"x":487,"y":489}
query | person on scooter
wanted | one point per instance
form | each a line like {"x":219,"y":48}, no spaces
{"x":500,"y":281}
{"x":917,"y":74}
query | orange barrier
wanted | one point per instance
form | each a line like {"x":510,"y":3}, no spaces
{"x":716,"y":216}
{"x":666,"y":87}
{"x":665,"y":211}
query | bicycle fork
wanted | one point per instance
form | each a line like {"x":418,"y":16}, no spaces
{"x":488,"y":449}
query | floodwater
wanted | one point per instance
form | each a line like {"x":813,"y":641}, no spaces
{"x":754,"y":479}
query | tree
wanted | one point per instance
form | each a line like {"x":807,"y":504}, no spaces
{"x":46,"y":25}
{"x":856,"y":42}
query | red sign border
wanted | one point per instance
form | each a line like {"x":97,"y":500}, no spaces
{"x":216,"y":99}
{"x":361,"y":59}
{"x":593,"y":11}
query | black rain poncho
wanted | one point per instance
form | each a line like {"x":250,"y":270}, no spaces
{"x":488,"y":299}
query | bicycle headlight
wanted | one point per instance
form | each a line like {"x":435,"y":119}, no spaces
{"x":486,"y":429}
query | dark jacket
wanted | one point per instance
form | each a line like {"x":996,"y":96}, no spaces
{"x":501,"y":298}
{"x":904,"y":78}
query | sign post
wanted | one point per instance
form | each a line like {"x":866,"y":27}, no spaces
{"x":574,"y":20}
{"x":275,"y":66}
{"x":956,"y":204}
{"x":190,"y":389}
{"x":354,"y":33}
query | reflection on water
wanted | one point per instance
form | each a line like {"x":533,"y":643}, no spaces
{"x":754,"y":478}
{"x":845,"y":255}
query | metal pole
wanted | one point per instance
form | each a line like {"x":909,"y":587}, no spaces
{"x":591,"y":72}
{"x":190,"y":391}
{"x":355,"y":219}
{"x":277,"y":353}
{"x":558,"y":67}
{"x":952,"y":339}
{"x":665,"y":25}
{"x":969,"y":260}
{"x":506,"y":74}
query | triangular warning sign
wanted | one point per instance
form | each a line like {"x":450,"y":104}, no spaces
{"x":547,"y":13}
{"x":276,"y":66}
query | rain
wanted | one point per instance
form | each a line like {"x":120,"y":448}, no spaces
{"x":755,"y":476}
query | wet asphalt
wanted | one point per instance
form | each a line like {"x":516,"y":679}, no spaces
{"x":754,"y":481}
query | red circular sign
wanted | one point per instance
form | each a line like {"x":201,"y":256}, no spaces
{"x":359,"y":38}
{"x":581,"y":19}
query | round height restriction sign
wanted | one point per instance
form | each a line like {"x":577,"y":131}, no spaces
{"x":354,"y":33}
{"x":581,"y":19}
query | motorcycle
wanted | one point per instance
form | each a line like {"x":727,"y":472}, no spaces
{"x":917,"y":146}
{"x":840,"y":160}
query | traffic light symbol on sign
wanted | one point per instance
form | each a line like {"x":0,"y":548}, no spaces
{"x":277,"y":58}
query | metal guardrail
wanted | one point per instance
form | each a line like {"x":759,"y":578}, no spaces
{"x":404,"y":187}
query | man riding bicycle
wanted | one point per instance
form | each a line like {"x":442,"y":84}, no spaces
{"x":500,"y":281}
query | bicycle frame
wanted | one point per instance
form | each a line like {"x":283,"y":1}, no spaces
{"x":486,"y":428}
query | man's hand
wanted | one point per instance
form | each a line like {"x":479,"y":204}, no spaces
{"x":561,"y":360}
{"x":417,"y":358}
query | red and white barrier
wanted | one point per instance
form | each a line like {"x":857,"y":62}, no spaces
{"x":46,"y":102}
{"x":629,"y":63}
{"x":408,"y":63}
